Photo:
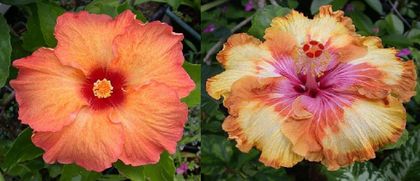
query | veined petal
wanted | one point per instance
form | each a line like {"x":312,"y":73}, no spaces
{"x":399,"y":75}
{"x":152,"y":51}
{"x":153,"y":120}
{"x":97,"y":147}
{"x":84,"y":41}
{"x":294,"y":23}
{"x":254,"y":121}
{"x":365,"y":127}
{"x":241,"y":56}
{"x":48,"y":93}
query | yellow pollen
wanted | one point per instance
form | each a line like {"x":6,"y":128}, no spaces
{"x":102,"y":88}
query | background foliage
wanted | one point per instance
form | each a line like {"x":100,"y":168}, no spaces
{"x":395,"y":21}
{"x":29,"y":25}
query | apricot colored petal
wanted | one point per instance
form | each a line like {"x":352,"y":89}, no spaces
{"x":366,"y":126}
{"x":153,"y":120}
{"x":294,"y":23}
{"x":152,"y":51}
{"x":399,"y":75}
{"x":48,"y":93}
{"x":91,"y":141}
{"x":84,"y":40}
{"x":255,"y":122}
{"x":241,"y":56}
{"x":280,"y":44}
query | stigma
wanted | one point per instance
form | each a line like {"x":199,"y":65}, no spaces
{"x":313,"y":49}
{"x":102,"y":88}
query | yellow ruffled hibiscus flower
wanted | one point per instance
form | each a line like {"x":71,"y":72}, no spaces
{"x":314,"y":90}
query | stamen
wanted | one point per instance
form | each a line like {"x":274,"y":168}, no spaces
{"x":102,"y":88}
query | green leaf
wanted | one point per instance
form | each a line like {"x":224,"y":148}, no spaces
{"x":376,"y":5}
{"x":133,"y":173}
{"x":22,"y":150}
{"x":404,"y":164}
{"x":194,"y":70}
{"x":414,"y":35}
{"x":73,"y":172}
{"x":396,"y":40}
{"x":48,"y":14}
{"x":174,"y":3}
{"x":395,"y":25}
{"x":365,"y":171}
{"x":362,"y":22}
{"x":399,"y":143}
{"x":263,"y":17}
{"x":163,"y":170}
{"x":33,"y":37}
{"x":5,"y":51}
{"x":318,"y":3}
{"x":108,"y":7}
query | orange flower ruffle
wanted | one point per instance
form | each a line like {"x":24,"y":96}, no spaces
{"x":314,"y":90}
{"x":110,"y":90}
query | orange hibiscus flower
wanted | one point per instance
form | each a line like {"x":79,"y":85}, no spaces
{"x":314,"y":89}
{"x":110,"y":90}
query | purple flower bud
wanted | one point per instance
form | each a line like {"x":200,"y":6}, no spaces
{"x":182,"y":168}
{"x":210,"y":28}
{"x":404,"y":52}
{"x":249,"y":6}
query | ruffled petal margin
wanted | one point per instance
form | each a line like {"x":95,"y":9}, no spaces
{"x":241,"y":56}
{"x":254,"y":122}
{"x":366,"y":126}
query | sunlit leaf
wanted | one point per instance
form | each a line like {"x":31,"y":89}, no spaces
{"x":395,"y":25}
{"x":73,"y":172}
{"x":194,"y":71}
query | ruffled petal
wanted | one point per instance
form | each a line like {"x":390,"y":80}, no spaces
{"x":398,"y":75}
{"x":153,"y":120}
{"x":48,"y":93}
{"x":294,"y":23}
{"x":84,"y":40}
{"x":91,"y":141}
{"x":254,"y":121}
{"x":152,"y":51}
{"x":366,"y":126}
{"x":241,"y":56}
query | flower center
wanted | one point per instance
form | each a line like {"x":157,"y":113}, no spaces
{"x":313,"y":49}
{"x":102,"y":88}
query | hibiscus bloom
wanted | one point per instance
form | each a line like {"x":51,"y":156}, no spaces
{"x":110,"y":90}
{"x":314,"y":89}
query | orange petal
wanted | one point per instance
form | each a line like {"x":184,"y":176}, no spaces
{"x":153,"y":120}
{"x":91,"y":141}
{"x":400,"y":76}
{"x":241,"y":56}
{"x":280,"y":43}
{"x":152,"y":51}
{"x":294,"y":23}
{"x":85,"y":40}
{"x":48,"y":93}
{"x":366,"y":126}
{"x":255,"y":122}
